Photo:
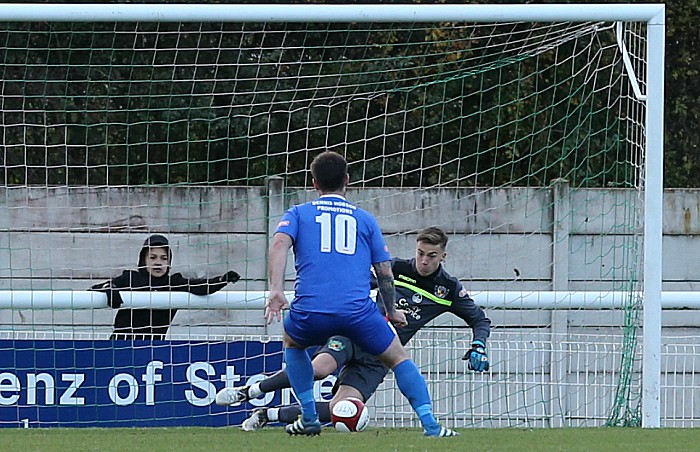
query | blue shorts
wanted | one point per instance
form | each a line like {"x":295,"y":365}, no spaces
{"x":368,"y":329}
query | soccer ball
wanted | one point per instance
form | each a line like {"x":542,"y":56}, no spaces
{"x":350,"y":415}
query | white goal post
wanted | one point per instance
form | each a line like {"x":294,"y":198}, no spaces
{"x":653,"y":15}
{"x":650,"y":13}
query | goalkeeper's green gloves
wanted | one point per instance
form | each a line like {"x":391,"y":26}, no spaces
{"x":476,"y":357}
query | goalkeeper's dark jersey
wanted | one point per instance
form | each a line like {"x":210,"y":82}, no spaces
{"x":423,"y":298}
{"x":426,"y":297}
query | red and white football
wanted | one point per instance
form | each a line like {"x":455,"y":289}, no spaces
{"x":350,"y":415}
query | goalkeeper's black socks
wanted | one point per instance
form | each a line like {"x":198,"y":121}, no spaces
{"x":289,"y":414}
{"x":277,"y":381}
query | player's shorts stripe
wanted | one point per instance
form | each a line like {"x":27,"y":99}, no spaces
{"x":425,"y":293}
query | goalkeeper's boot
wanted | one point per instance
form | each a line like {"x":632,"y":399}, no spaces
{"x":256,"y":421}
{"x":298,"y":427}
{"x":440,"y":432}
{"x":232,"y":396}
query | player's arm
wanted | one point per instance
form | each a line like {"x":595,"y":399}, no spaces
{"x":276,"y":301}
{"x":110,"y":288}
{"x":387,"y":293}
{"x":464,"y":307}
{"x":205,"y":286}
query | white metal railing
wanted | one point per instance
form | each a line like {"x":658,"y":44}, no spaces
{"x":86,"y":299}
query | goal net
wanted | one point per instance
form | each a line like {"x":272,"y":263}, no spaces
{"x":526,"y":140}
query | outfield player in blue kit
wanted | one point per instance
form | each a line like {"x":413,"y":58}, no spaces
{"x":425,"y":290}
{"x":335,"y":243}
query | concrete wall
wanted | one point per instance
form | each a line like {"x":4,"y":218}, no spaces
{"x":506,"y":239}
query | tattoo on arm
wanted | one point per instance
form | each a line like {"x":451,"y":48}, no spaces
{"x":385,"y":285}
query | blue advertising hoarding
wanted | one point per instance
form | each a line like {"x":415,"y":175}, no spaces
{"x":60,"y":383}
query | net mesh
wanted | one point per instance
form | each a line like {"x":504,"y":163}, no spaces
{"x":524,"y":141}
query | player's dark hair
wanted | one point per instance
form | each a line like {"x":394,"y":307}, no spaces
{"x":329,"y":170}
{"x":433,"y":236}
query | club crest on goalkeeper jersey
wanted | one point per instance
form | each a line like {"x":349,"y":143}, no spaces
{"x":335,"y":244}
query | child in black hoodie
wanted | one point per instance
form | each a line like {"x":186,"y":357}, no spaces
{"x":154,"y":274}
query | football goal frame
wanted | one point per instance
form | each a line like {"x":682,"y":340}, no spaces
{"x":652,"y":94}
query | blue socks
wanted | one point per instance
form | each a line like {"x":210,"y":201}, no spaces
{"x":409,"y":379}
{"x":412,"y":385}
{"x":301,"y":376}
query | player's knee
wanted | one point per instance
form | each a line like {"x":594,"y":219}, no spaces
{"x":290,"y":343}
{"x":394,"y":355}
{"x":396,"y":362}
{"x":324,"y":365}
{"x":345,"y":391}
{"x":321,"y":373}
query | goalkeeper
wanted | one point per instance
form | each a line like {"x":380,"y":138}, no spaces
{"x":424,"y":291}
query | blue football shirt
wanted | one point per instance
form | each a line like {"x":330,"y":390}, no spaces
{"x":335,"y":244}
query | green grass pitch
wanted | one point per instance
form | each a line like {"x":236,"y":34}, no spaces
{"x":373,"y":439}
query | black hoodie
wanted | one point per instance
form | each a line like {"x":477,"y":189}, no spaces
{"x":147,"y":324}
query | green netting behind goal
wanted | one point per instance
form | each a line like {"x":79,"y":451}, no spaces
{"x":525,"y":141}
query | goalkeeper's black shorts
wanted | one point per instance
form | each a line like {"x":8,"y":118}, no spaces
{"x":358,"y":369}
